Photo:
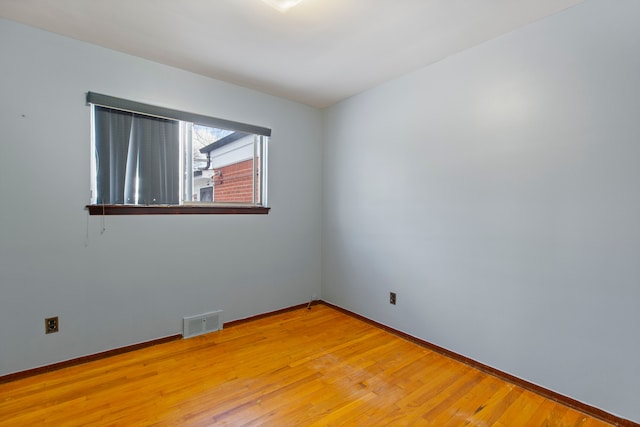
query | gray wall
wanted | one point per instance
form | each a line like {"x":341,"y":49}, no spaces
{"x":136,"y":281}
{"x":497,"y":192}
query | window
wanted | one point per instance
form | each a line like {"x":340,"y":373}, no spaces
{"x":153,"y":157}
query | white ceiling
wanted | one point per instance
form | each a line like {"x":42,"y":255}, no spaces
{"x":318,"y":53}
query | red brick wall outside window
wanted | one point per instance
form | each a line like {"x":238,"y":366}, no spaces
{"x":234,"y":183}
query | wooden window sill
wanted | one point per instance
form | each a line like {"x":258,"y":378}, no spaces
{"x":175,"y":210}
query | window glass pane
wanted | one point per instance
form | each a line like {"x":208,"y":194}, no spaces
{"x":226,"y":166}
{"x":136,"y":158}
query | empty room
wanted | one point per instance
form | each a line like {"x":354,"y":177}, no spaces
{"x":319,"y":212}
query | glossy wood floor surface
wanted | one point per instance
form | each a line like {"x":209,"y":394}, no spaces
{"x":302,"y":368}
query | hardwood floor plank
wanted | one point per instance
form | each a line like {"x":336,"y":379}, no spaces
{"x":317,"y":367}
{"x":524,"y":406}
{"x":494,"y":408}
{"x":444,"y":407}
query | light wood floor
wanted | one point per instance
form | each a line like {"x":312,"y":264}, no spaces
{"x":303,"y":368}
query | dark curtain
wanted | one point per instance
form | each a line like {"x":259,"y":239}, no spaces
{"x":137,"y":157}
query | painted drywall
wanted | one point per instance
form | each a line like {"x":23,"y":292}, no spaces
{"x":497,"y":192}
{"x":136,"y":281}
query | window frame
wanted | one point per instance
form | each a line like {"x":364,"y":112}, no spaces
{"x":207,"y":209}
{"x":188,"y":208}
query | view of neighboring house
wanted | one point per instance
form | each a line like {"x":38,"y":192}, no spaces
{"x":226,"y":174}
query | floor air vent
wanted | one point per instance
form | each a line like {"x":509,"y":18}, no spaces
{"x":201,"y":324}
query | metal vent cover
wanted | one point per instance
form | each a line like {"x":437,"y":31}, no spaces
{"x":201,"y":324}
